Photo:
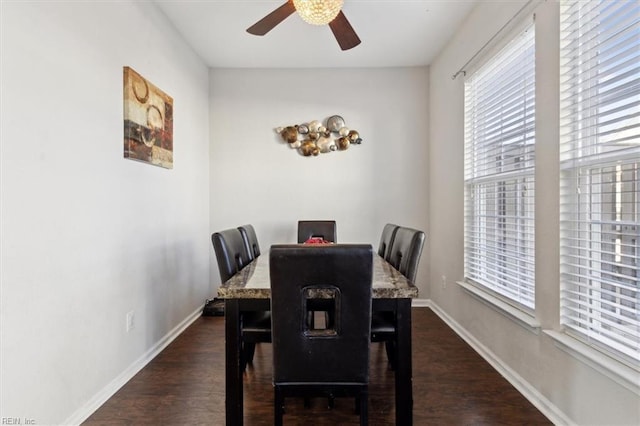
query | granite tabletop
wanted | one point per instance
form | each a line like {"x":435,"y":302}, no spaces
{"x":253,"y":282}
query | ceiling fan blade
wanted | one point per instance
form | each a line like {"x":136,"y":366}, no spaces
{"x":267,"y":23}
{"x":342,"y":29}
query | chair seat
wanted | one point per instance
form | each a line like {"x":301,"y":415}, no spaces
{"x":256,"y":328}
{"x":383,"y":329}
{"x":257,"y":324}
{"x":382,"y":325}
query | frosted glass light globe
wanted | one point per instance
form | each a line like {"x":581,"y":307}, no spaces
{"x":318,"y":12}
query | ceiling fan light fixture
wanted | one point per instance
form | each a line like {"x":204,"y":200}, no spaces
{"x":318,"y":12}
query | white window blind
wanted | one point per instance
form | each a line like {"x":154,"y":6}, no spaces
{"x":499,"y":172}
{"x":600,"y":174}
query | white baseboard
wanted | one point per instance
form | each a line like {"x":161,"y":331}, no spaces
{"x":108,"y":391}
{"x":420,"y":303}
{"x":546,"y":407}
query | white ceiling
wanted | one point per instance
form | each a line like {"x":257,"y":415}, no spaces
{"x":394,"y":33}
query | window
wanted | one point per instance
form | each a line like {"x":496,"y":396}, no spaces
{"x":499,"y":173}
{"x":600,"y":174}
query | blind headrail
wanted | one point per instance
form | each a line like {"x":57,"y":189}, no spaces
{"x":519,"y":13}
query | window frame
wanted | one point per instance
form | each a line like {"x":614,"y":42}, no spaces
{"x":597,"y":151}
{"x":519,"y":178}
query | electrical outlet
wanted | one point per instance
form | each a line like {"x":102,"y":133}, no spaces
{"x":444,"y":281}
{"x":130,"y":321}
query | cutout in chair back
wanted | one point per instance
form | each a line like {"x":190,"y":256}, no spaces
{"x":398,"y":260}
{"x":330,"y":297}
{"x":239,"y":262}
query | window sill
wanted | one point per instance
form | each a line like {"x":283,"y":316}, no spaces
{"x":622,"y":374}
{"x":521,"y":318}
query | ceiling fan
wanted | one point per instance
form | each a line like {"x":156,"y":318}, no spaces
{"x":317,"y":12}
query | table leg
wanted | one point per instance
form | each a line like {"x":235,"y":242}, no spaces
{"x":233,"y":373}
{"x":404,"y":378}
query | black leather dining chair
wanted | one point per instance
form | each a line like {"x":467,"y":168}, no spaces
{"x":326,"y":229}
{"x":250,"y":240}
{"x":326,"y":361}
{"x":386,"y":240}
{"x":404,"y":255}
{"x":406,"y":251}
{"x":232,"y":256}
{"x":231,"y":252}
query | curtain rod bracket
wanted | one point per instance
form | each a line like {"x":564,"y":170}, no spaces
{"x":463,"y":72}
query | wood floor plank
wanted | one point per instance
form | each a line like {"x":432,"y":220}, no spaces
{"x":452,"y":385}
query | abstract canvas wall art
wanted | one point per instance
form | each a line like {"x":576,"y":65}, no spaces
{"x":148,"y":121}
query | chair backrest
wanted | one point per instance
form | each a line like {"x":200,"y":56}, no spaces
{"x":250,"y":240}
{"x":406,"y":251}
{"x":317,"y":228}
{"x":386,"y":240}
{"x":342,"y":273}
{"x":231,"y":252}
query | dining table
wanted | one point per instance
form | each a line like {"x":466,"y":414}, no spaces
{"x":249,"y":290}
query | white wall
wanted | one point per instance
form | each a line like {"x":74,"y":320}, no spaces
{"x":87,"y":235}
{"x":565,"y":388}
{"x":256,"y":178}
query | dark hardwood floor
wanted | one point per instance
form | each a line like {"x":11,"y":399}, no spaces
{"x":452,"y":385}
